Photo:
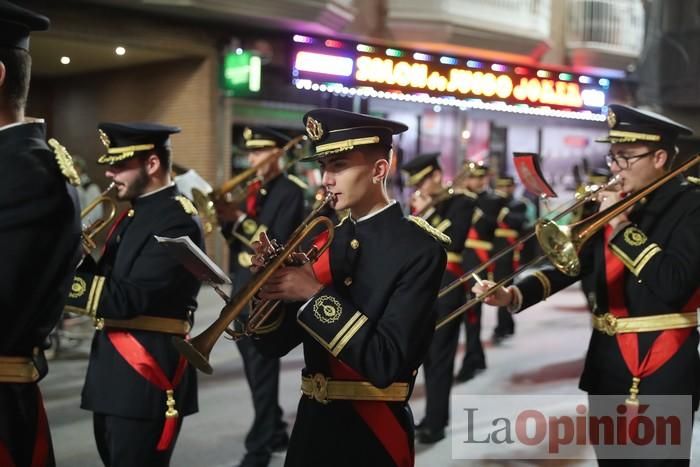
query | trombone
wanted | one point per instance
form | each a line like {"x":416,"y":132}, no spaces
{"x":198,"y":349}
{"x":235,"y":189}
{"x":562,"y":244}
{"x":445,"y":193}
{"x":91,"y":230}
{"x":501,"y":253}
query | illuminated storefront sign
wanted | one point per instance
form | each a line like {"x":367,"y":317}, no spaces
{"x":241,"y":73}
{"x":335,"y":64}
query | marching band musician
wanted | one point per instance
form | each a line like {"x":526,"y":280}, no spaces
{"x":511,"y":221}
{"x":138,"y":386}
{"x":364,"y":311}
{"x":39,"y":247}
{"x":478,"y":249}
{"x":646,"y":264}
{"x":452,"y":216}
{"x":274,"y":204}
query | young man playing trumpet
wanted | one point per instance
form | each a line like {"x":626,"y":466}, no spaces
{"x":138,"y":386}
{"x":364,"y":311}
{"x":646,"y":264}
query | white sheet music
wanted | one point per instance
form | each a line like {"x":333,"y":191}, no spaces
{"x":194,"y":259}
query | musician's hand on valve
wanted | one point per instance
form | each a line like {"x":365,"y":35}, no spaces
{"x":502,"y":297}
{"x":262,"y":249}
{"x":294,"y":284}
{"x":227,"y":212}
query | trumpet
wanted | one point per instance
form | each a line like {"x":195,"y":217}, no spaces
{"x":91,"y":230}
{"x":263,"y":309}
{"x":198,"y":349}
{"x":562,"y":244}
{"x":235,"y":189}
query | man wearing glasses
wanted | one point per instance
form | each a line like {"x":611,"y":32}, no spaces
{"x":646,"y":266}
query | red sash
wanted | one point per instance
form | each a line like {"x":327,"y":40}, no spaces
{"x":322,"y":266}
{"x":111,"y":230}
{"x":663,"y":347}
{"x":251,"y":201}
{"x":482,"y":254}
{"x":40,"y":453}
{"x":456,"y":269}
{"x":144,"y":364}
{"x":379,"y":418}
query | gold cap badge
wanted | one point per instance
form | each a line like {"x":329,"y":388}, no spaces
{"x":612,"y":118}
{"x":104,"y":138}
{"x":314,"y":129}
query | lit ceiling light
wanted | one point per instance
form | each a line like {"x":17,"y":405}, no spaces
{"x":65,"y":60}
{"x":120,"y":50}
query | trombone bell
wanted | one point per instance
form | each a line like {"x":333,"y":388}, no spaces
{"x":556,"y":242}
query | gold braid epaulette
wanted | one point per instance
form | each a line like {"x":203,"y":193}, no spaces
{"x":65,"y":162}
{"x":435,"y":233}
{"x":187,"y":205}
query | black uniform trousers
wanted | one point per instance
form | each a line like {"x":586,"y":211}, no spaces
{"x":19,"y":423}
{"x":504,"y":267}
{"x":439,"y":363}
{"x":474,"y":357}
{"x":128,"y":442}
{"x":268,"y":429}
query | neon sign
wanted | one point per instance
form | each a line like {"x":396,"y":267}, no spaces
{"x":416,"y":72}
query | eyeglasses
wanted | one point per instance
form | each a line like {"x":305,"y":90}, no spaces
{"x":624,"y":162}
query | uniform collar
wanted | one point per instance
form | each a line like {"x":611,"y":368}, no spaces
{"x":155,"y":196}
{"x":20,"y":130}
{"x":12,"y":125}
{"x":375,"y":213}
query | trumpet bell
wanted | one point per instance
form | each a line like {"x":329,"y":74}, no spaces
{"x":192,"y":355}
{"x":556,"y":242}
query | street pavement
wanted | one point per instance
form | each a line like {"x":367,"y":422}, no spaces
{"x":544,"y":357}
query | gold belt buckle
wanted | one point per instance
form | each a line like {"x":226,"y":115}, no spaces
{"x":609,"y":322}
{"x":319,"y":388}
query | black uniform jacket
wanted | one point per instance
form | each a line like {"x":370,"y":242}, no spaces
{"x":280,"y":209}
{"x":453,"y":217}
{"x":374,"y":317}
{"x":39,"y":250}
{"x":483,"y":227}
{"x":39,"y":239}
{"x":137,"y":276}
{"x":661,"y":254}
{"x":511,"y":221}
